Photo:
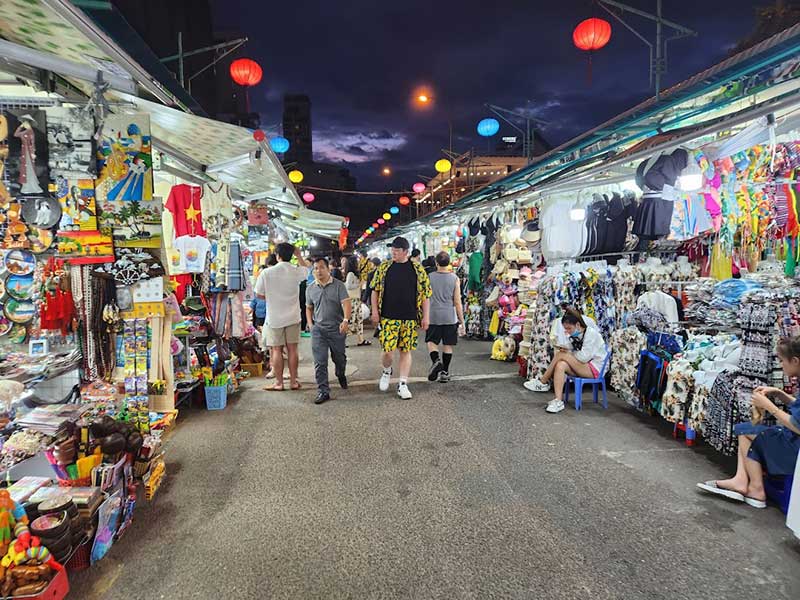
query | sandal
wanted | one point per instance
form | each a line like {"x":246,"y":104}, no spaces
{"x":365,"y":343}
{"x":275,"y":387}
{"x":713,"y":488}
{"x":296,"y":386}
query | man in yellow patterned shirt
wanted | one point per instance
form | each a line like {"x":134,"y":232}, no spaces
{"x":401,"y":294}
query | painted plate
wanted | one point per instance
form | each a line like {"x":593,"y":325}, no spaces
{"x":5,"y":325}
{"x":20,"y":262}
{"x":3,"y":254}
{"x":19,"y":312}
{"x":20,"y":287}
{"x":2,"y":287}
{"x":40,"y":239}
{"x":17,"y":334}
{"x":41,"y":211}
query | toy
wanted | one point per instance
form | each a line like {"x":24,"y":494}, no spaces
{"x":497,"y":351}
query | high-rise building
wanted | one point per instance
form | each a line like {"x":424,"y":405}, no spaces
{"x":297,"y":128}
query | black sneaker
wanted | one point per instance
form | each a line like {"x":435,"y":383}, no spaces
{"x":343,"y":381}
{"x":322,"y":397}
{"x":436,"y":368}
{"x":444,"y":377}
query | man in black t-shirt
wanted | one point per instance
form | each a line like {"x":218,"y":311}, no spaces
{"x":401,"y":294}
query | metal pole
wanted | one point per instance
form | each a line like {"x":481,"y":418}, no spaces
{"x":659,"y":48}
{"x":180,"y":58}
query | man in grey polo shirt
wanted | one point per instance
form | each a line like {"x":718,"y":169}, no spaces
{"x":328,"y":307}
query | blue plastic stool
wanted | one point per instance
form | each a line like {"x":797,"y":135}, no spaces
{"x":579,"y":382}
{"x":779,"y":490}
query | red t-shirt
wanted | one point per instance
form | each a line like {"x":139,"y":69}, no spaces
{"x":184,"y":204}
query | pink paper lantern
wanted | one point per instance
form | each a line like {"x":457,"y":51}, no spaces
{"x":308,"y":197}
{"x":418,"y":188}
{"x":381,"y":221}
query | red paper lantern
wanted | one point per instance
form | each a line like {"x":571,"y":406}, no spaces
{"x":404,"y":200}
{"x":375,"y":225}
{"x":259,"y":135}
{"x":592,"y":34}
{"x":245,"y":71}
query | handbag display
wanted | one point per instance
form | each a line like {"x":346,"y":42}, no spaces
{"x":525,"y":257}
{"x":500,"y":267}
{"x":511,"y":253}
{"x":493,"y":297}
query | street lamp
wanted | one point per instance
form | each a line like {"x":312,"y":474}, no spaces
{"x":386,"y":171}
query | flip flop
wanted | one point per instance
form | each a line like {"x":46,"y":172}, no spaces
{"x":365,"y":343}
{"x":712,"y":487}
{"x":754,"y":503}
{"x":296,"y":387}
{"x":275,"y":387}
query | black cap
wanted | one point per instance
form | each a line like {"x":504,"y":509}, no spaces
{"x":399,"y":242}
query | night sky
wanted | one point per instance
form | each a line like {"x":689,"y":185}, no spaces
{"x":360,"y":61}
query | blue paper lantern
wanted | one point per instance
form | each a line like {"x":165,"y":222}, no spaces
{"x":394,"y":210}
{"x":279,"y":144}
{"x":488,"y":127}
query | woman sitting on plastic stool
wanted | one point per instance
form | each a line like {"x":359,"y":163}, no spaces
{"x":762,"y":447}
{"x":584,"y":360}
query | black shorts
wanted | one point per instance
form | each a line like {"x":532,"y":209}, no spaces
{"x":442,"y":334}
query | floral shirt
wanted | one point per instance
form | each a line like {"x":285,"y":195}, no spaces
{"x":424,"y":290}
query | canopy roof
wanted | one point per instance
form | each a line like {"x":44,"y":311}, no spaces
{"x":57,"y":33}
{"x":747,"y":85}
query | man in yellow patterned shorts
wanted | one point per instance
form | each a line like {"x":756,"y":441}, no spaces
{"x":401,"y":294}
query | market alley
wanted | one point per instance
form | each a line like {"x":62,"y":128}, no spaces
{"x":470,"y":490}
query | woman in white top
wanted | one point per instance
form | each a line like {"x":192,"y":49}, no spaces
{"x":584,"y":360}
{"x":353,"y":283}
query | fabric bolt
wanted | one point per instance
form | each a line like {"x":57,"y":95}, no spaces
{"x":677,"y":395}
{"x":626,"y":346}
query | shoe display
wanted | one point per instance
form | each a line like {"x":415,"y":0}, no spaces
{"x":404,"y":392}
{"x":534,"y":385}
{"x":444,"y":377}
{"x":436,"y":368}
{"x":555,"y":406}
{"x":385,"y":380}
{"x":322,"y":397}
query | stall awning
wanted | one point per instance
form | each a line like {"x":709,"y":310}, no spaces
{"x":65,"y":37}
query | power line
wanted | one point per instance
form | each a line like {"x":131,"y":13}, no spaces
{"x":319,"y":189}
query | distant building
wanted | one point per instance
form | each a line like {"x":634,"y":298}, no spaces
{"x":297,"y":128}
{"x":328,"y":177}
{"x":469,"y":173}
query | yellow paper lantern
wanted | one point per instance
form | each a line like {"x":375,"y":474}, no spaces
{"x":443,"y":165}
{"x":386,"y":216}
{"x":295,"y":176}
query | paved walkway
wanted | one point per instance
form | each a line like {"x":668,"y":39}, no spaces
{"x":468,"y":491}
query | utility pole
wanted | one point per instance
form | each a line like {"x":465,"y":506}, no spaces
{"x":658,"y":64}
{"x":527,"y":134}
{"x":181,"y":56}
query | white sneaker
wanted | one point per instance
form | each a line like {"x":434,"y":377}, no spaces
{"x":554,"y":406}
{"x":404,"y":392}
{"x":534,"y":385}
{"x":385,"y":380}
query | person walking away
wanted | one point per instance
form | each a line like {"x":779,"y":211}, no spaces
{"x":416,"y":255}
{"x":401,"y":294}
{"x":447,"y":318}
{"x":353,"y":284}
{"x":329,"y":307}
{"x":279,"y":286}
